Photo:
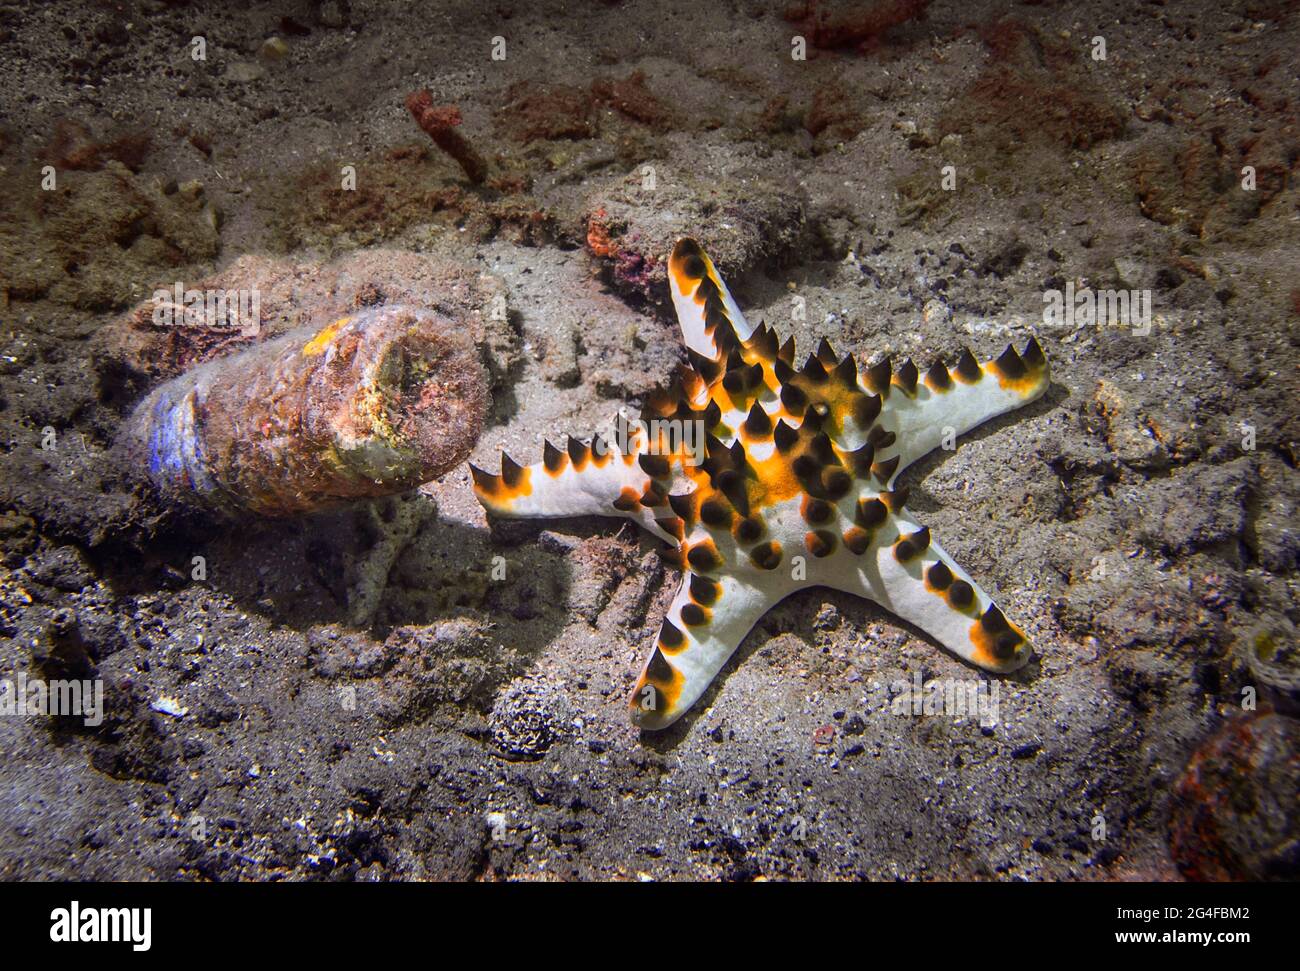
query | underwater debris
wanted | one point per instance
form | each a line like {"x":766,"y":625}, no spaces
{"x":440,"y":123}
{"x":373,"y":404}
{"x":134,"y":353}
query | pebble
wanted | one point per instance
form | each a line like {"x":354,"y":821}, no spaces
{"x":273,"y":50}
{"x":243,"y":72}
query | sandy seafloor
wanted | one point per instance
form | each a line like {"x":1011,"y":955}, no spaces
{"x":1121,"y":519}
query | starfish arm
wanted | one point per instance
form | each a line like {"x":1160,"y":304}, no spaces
{"x":701,"y":298}
{"x":583,"y":480}
{"x":788,"y":478}
{"x":705,"y":624}
{"x":911,"y":576}
{"x":925,"y":413}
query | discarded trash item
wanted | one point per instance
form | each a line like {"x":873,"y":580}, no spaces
{"x":373,"y":404}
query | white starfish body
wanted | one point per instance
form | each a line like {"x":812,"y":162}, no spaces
{"x":794,"y":489}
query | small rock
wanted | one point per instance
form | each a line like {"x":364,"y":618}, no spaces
{"x":560,"y":365}
{"x":828,"y":618}
{"x":1128,"y":434}
{"x":1234,"y":808}
{"x":333,"y":13}
{"x":631,"y":231}
{"x":168,"y":705}
{"x":1128,"y":273}
{"x":1272,"y":649}
{"x":528,"y":717}
{"x":273,"y":50}
{"x":242,"y":72}
{"x":64,"y":652}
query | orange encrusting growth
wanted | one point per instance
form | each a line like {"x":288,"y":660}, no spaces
{"x":321,"y":342}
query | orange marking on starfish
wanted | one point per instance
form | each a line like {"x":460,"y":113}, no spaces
{"x":1021,"y":386}
{"x":524,"y":488}
{"x":984,"y":644}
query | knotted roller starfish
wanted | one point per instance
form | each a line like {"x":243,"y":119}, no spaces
{"x":794,"y":487}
